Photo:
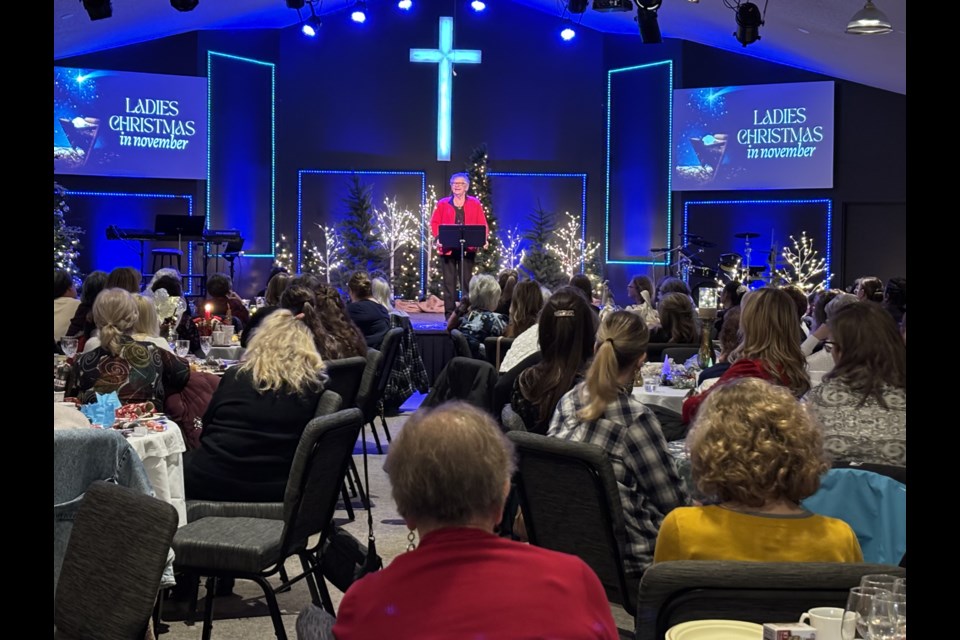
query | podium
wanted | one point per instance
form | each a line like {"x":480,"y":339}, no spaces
{"x":462,"y":236}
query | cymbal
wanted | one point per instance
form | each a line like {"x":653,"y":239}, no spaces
{"x":706,"y":244}
{"x":746,"y":235}
{"x":660,"y":250}
{"x":688,"y":235}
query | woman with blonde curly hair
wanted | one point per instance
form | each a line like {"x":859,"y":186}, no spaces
{"x":757,"y":451}
{"x":256,"y":416}
{"x":601,"y":410}
{"x":137,"y":371}
{"x":769,"y":347}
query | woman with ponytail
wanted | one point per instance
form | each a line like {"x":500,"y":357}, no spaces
{"x":601,"y":411}
{"x":137,"y":371}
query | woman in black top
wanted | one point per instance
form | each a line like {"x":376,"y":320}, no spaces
{"x":365,"y":311}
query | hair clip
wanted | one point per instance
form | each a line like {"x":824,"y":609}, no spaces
{"x":563,"y":313}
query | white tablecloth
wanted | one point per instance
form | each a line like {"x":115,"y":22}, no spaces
{"x":227,"y":353}
{"x":162,"y":455}
{"x":666,"y":397}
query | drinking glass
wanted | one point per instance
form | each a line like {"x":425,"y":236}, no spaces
{"x":900,"y":586}
{"x":69,"y":346}
{"x":888,"y":617}
{"x":205,"y":345}
{"x":860,"y":603}
{"x":878,"y":580}
{"x":183,"y":348}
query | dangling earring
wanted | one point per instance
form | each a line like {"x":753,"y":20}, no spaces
{"x":411,"y":540}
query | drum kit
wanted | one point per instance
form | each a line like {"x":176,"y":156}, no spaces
{"x":687,"y":261}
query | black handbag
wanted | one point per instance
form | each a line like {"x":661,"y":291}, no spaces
{"x":343,"y":558}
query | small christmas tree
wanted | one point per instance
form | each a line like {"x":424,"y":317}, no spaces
{"x":283,"y":255}
{"x":572,"y":250}
{"x":488,"y":260}
{"x":513,"y":251}
{"x":803,"y":266}
{"x":542,"y":265}
{"x":397,"y":231}
{"x":361,"y":249}
{"x":66,"y":241}
{"x":323,"y":261}
{"x":433,"y":279}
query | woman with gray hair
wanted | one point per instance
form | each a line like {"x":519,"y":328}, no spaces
{"x":450,"y":470}
{"x":482,"y":321}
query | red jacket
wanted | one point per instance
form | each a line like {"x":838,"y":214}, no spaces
{"x":742,"y":368}
{"x":446,"y":214}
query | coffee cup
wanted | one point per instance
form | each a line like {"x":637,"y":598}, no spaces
{"x":827,"y":622}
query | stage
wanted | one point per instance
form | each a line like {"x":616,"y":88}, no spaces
{"x":436,"y":347}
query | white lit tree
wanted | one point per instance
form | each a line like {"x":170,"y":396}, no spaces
{"x":433,"y":279}
{"x":396,"y":229}
{"x":512,"y":253}
{"x":283,"y":255}
{"x":804,"y":268}
{"x":323,"y":261}
{"x":573,"y":251}
{"x":65,"y":237}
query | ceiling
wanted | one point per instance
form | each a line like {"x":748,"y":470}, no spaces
{"x":804,"y":33}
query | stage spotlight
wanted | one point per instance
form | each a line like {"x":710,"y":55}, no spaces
{"x":613,"y":5}
{"x":749,"y":22}
{"x":577,"y":6}
{"x":478,"y":6}
{"x":184,"y":5}
{"x":405,"y":4}
{"x":98,"y":9}
{"x":649,"y":26}
{"x":567,"y":34}
{"x":311,"y":26}
{"x":359,"y":13}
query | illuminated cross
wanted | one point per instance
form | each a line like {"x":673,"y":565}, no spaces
{"x":445,"y":57}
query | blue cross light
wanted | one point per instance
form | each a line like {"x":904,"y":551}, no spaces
{"x":445,"y":57}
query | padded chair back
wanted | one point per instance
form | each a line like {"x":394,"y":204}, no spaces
{"x":671,"y":422}
{"x":685,"y":590}
{"x":367,"y":394}
{"x":468,"y":379}
{"x":655,"y":350}
{"x":495,"y":348}
{"x":317,"y":473}
{"x":389,"y":349}
{"x":679,"y":354}
{"x":111,"y":572}
{"x":891,"y":471}
{"x":570,"y":503}
{"x":461,"y":347}
{"x":874,"y":505}
{"x":329,"y":402}
{"x":344,"y":376}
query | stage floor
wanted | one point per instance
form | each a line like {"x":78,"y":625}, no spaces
{"x":428,"y":322}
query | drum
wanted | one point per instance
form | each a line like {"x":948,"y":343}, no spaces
{"x":730,"y":262}
{"x":702,"y":272}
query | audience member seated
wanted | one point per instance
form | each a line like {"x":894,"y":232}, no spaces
{"x":482,"y":321}
{"x":65,"y":303}
{"x":256,"y":416}
{"x":528,"y":341}
{"x":602,"y":411}
{"x":800,"y":300}
{"x":525,"y":308}
{"x":337,"y":336}
{"x":275,"y":288}
{"x":367,"y":313}
{"x":678,"y":320}
{"x":582,"y":282}
{"x":182,"y":320}
{"x":274,"y":271}
{"x":769,"y":347}
{"x":383,"y":294}
{"x":755,"y":451}
{"x":730,"y":297}
{"x":895,"y":298}
{"x":641,"y":293}
{"x":671,"y":284}
{"x":729,"y":339}
{"x":862,"y":402}
{"x":165,"y":272}
{"x":450,"y":470}
{"x":507,"y":279}
{"x":137,"y":371}
{"x":818,"y":327}
{"x":82,"y":325}
{"x":146,"y":329}
{"x":820,"y":362}
{"x":566,"y":337}
{"x":126,"y":278}
{"x":221,"y":297}
{"x":869,"y":289}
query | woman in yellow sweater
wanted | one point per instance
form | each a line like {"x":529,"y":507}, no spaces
{"x":756,"y":450}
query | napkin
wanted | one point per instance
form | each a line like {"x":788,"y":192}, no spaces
{"x":103,"y":411}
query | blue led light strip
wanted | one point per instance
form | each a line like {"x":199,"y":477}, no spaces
{"x":583,"y":197}
{"x":606,"y":223}
{"x":340,"y":172}
{"x":273,"y":142}
{"x":824,"y":201}
{"x":445,"y":56}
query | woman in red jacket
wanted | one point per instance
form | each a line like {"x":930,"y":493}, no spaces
{"x":459,"y":208}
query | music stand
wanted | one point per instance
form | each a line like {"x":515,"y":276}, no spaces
{"x":462,"y":235}
{"x":176,"y":225}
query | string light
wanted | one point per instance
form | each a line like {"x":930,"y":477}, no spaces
{"x":803,"y":266}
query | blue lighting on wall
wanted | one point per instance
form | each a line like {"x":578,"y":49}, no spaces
{"x":828,"y":217}
{"x":273,"y":141}
{"x":668,"y":125}
{"x":583,"y":195}
{"x":445,"y":56}
{"x":347,"y":172}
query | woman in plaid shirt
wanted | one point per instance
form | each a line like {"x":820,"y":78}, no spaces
{"x":600,"y":410}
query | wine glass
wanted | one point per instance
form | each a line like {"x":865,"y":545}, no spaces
{"x":183,"y":348}
{"x":900,"y":586}
{"x":205,"y":345}
{"x":69,"y":346}
{"x":878,"y":580}
{"x":888,"y":617}
{"x":859,"y":604}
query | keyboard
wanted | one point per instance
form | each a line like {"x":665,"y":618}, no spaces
{"x":210,"y":235}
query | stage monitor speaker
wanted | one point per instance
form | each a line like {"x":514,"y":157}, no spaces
{"x":577,"y":6}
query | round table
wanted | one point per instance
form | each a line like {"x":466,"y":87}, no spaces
{"x":666,"y":397}
{"x":162,"y":456}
